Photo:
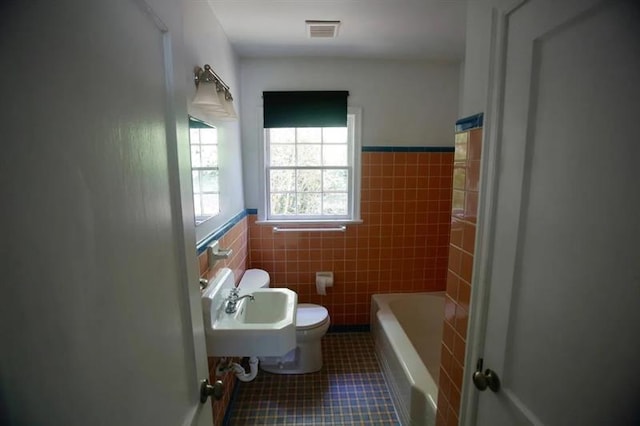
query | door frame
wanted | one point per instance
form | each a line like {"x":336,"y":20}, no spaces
{"x":487,"y":198}
{"x":181,"y":193}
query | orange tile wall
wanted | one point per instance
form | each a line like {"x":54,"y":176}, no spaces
{"x":466,"y":175}
{"x":236,"y":238}
{"x":402,"y":246}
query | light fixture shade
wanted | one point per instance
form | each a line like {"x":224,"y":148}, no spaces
{"x":212,"y":95}
{"x":228,"y":112}
{"x":207,"y":97}
{"x":231,"y":111}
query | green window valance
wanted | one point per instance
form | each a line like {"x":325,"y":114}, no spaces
{"x":305,"y":109}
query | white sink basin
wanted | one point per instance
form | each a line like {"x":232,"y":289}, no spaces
{"x":265,"y":326}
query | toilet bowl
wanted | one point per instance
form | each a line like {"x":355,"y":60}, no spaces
{"x":312,"y":322}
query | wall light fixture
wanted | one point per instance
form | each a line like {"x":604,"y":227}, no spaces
{"x":212,"y":94}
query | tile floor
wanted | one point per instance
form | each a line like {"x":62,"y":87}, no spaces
{"x":349,"y":390}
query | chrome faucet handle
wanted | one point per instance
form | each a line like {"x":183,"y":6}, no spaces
{"x":234,"y":293}
{"x":230,"y":308}
{"x":203,"y":283}
{"x":233,"y":299}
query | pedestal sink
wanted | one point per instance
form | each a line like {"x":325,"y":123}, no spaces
{"x":265,"y":326}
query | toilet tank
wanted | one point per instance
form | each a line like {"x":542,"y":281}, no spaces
{"x":253,"y":279}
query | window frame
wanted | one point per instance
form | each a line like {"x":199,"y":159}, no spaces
{"x":354,"y":117}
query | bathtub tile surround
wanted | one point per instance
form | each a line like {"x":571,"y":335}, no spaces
{"x":402,"y":246}
{"x":468,"y":123}
{"x":466,"y":171}
{"x":349,"y":390}
{"x":233,"y":235}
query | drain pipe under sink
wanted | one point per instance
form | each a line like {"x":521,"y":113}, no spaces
{"x":241,"y":373}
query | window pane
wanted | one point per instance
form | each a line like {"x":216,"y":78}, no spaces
{"x":334,"y":135}
{"x":210,"y":204}
{"x":197,"y":206}
{"x":194,"y":136}
{"x":209,"y":136}
{"x":195,"y":155}
{"x":335,"y":180}
{"x":310,"y":134}
{"x":334,"y":155}
{"x":309,"y":181}
{"x":283,"y":155}
{"x":204,"y":155}
{"x":283,"y":204}
{"x":209,"y":180}
{"x":282,"y":135}
{"x":209,"y":155}
{"x":309,"y":204}
{"x":282,"y":180}
{"x":196,"y":181}
{"x":309,"y":155}
{"x":334,"y":204}
{"x":310,"y":172}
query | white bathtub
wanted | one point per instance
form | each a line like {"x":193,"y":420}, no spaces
{"x":407,"y":330}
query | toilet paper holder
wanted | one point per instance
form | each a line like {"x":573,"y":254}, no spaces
{"x":323,"y":280}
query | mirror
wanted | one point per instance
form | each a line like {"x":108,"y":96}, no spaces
{"x":203,"y":140}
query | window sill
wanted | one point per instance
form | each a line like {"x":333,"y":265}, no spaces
{"x":309,"y":222}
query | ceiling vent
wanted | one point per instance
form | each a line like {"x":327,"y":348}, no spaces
{"x":322,"y":29}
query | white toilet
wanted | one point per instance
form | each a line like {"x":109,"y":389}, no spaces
{"x":312,"y":322}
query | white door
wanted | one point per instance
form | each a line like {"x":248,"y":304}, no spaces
{"x":563,"y":324}
{"x":100,"y":320}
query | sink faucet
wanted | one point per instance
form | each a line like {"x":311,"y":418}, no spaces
{"x":233,"y":300}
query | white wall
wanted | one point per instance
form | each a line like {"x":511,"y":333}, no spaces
{"x":475,"y":71}
{"x":403,"y":103}
{"x":206,"y":43}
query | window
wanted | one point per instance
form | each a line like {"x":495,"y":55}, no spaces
{"x":313,"y":173}
{"x":204,"y":169}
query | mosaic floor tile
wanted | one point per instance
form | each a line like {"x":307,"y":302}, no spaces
{"x":349,"y":390}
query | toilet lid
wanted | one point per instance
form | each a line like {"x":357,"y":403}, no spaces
{"x":253,"y":279}
{"x":310,"y":315}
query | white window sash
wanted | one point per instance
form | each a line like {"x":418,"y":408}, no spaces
{"x":354,"y":177}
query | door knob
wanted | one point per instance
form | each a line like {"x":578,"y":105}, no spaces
{"x":488,"y":379}
{"x":206,"y":390}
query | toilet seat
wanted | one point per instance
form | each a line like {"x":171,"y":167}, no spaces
{"x":310,"y":316}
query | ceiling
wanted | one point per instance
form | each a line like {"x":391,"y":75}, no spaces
{"x":377,"y":29}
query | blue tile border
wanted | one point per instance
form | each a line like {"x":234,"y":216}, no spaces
{"x":349,"y":328}
{"x":218,"y":233}
{"x":470,"y":122}
{"x":408,"y":149}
